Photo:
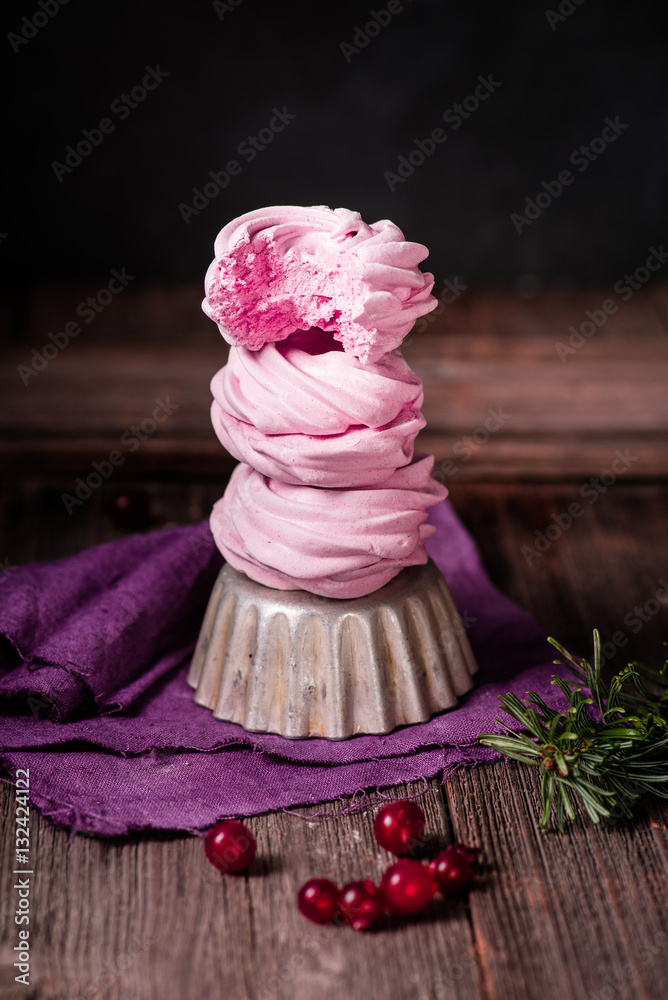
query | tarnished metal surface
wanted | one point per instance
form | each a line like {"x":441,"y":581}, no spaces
{"x":294,"y":663}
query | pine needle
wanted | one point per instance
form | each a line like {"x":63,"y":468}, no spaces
{"x":606,"y":750}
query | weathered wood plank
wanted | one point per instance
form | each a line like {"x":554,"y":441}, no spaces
{"x":500,"y":400}
{"x":161,"y":313}
{"x":609,"y":561}
{"x":581,"y":914}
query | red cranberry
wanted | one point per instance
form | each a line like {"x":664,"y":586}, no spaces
{"x":362,"y":904}
{"x":230,"y":846}
{"x":318,"y":899}
{"x":408,"y":887}
{"x":452,"y":871}
{"x":470,"y":853}
{"x":398,"y":826}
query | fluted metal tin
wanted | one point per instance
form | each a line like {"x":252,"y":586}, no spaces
{"x":294,"y":663}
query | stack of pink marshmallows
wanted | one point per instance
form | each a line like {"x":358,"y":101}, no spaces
{"x":317,"y":403}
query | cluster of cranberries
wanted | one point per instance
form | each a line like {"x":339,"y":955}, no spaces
{"x":407,"y":886}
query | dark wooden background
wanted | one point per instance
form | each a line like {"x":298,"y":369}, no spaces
{"x":229,"y":65}
{"x":552,"y":917}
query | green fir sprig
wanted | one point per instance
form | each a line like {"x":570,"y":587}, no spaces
{"x":607,"y":749}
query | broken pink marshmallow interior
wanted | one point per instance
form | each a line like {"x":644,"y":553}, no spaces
{"x":277,"y":270}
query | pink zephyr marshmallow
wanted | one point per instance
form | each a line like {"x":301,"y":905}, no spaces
{"x":337,"y":543}
{"x":277,"y":270}
{"x":304,"y":412}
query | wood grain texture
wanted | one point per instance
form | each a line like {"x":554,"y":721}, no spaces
{"x":580,"y":914}
{"x":501,"y":400}
{"x":551,"y":918}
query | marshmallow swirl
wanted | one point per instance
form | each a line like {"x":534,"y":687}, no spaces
{"x":304,"y":385}
{"x":302,"y":412}
{"x":277,"y":270}
{"x":337,"y":543}
{"x":361,"y":456}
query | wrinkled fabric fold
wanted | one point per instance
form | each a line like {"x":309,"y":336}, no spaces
{"x":94,"y":631}
{"x":136,"y":753}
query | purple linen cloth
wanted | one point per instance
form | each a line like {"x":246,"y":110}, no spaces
{"x":96,"y":705}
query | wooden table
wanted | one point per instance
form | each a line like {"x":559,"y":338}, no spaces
{"x":552,"y":917}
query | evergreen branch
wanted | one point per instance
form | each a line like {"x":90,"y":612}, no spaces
{"x":607,"y":749}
